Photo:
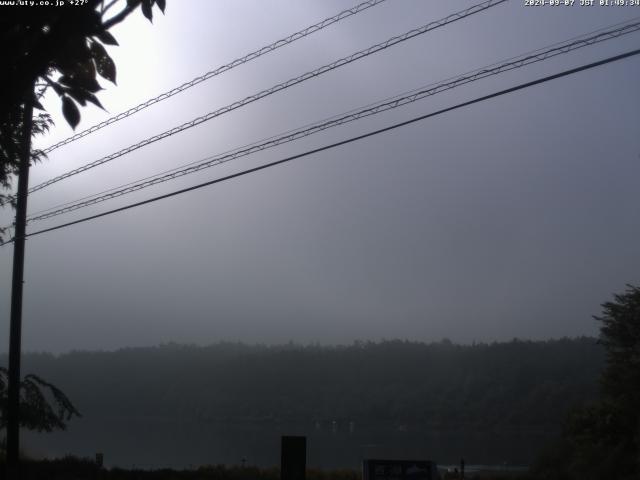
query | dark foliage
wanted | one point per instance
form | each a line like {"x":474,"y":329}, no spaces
{"x":58,"y":48}
{"x":602,"y":440}
{"x":86,"y":469}
{"x":43,"y":406}
{"x":620,"y":334}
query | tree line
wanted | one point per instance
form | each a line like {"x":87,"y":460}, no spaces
{"x":517,"y":384}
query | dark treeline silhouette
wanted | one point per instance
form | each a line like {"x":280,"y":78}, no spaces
{"x":512,"y":385}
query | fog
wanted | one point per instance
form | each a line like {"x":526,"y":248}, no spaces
{"x":515,"y":217}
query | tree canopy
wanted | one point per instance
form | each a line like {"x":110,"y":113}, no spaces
{"x":59,"y":48}
{"x":620,"y":334}
{"x":43,"y":406}
{"x":602,"y":440}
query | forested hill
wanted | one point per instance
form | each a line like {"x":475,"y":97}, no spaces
{"x":517,"y":384}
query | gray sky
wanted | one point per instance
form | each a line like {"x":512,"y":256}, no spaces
{"x":512,"y":218}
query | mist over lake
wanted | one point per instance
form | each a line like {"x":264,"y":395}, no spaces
{"x":179,"y":406}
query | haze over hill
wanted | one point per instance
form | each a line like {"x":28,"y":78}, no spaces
{"x":179,"y":404}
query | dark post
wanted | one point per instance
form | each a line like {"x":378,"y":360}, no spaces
{"x":15,"y":327}
{"x":462,"y":468}
{"x":293,"y":461}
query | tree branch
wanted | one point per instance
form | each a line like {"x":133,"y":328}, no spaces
{"x":122,"y":15}
{"x":106,"y":9}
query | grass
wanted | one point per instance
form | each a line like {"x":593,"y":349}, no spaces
{"x":74,"y":468}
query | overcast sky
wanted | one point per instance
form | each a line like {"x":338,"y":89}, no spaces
{"x":516,"y":217}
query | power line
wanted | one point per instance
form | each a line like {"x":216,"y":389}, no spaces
{"x":414,"y":95}
{"x":343,"y":142}
{"x":276,"y":88}
{"x":373,"y":109}
{"x":224,"y":68}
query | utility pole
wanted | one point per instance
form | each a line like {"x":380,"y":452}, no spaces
{"x":15,"y":328}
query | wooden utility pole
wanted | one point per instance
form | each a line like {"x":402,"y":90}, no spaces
{"x":15,"y":328}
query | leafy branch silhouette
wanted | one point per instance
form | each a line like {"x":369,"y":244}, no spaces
{"x":43,"y":406}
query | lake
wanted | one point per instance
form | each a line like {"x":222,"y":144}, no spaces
{"x":152,"y":443}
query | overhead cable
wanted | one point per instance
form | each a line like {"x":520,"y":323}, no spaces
{"x":276,"y":88}
{"x":373,"y":109}
{"x":343,"y":142}
{"x":224,"y":68}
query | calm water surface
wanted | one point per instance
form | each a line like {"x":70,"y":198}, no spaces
{"x":156,"y":443}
